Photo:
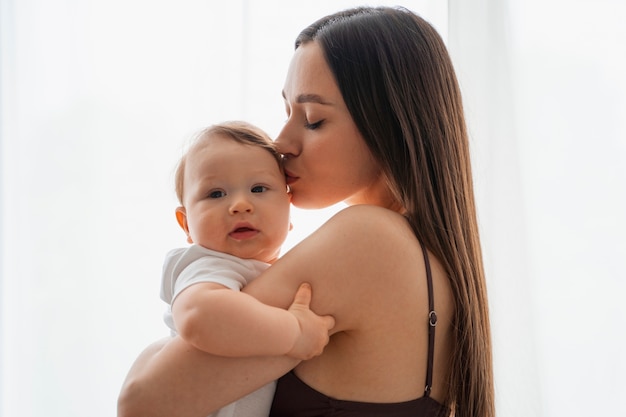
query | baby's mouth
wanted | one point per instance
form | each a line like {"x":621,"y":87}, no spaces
{"x":243,"y":232}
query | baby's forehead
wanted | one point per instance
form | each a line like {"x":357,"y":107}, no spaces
{"x":210,"y":139}
{"x":213,"y":153}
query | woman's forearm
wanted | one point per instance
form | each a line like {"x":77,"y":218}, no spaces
{"x":172,"y":378}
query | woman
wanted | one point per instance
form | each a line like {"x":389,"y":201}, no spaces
{"x":375,"y":119}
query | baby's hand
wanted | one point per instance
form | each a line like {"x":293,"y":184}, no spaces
{"x":313,"y":328}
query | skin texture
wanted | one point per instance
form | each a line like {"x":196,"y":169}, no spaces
{"x":373,"y":302}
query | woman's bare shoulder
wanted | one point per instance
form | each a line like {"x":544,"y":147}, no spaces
{"x":354,"y":255}
{"x":348,"y":260}
{"x":365,"y":211}
{"x":355,"y":240}
{"x":366,"y":219}
{"x":365,"y":228}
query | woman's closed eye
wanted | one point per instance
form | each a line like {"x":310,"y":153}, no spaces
{"x":312,"y":126}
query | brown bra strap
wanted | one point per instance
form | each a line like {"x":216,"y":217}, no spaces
{"x":432,"y":322}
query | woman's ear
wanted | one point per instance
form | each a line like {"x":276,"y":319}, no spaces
{"x":181,"y":217}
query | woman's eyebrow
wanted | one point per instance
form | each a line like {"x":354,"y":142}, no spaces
{"x":309,"y":98}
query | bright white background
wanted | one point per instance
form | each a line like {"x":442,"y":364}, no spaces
{"x":98,"y":97}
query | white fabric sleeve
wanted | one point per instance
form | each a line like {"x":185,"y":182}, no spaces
{"x":187,"y":266}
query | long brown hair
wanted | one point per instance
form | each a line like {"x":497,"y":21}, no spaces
{"x":398,"y":82}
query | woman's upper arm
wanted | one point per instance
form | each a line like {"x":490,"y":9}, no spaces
{"x":344,"y":261}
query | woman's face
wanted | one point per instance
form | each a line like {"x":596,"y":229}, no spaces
{"x":326,"y":158}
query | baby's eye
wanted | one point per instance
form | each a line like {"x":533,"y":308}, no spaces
{"x":217,"y":194}
{"x":258,"y":189}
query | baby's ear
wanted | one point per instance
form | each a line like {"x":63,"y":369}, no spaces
{"x":181,"y":217}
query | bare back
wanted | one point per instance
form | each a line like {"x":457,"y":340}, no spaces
{"x":367,"y":270}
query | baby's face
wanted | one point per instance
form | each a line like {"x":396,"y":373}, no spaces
{"x":236,"y":200}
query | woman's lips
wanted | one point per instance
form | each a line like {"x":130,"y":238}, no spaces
{"x":290,"y":178}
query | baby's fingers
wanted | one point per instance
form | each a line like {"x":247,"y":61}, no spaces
{"x":329,"y":321}
{"x":303,"y":296}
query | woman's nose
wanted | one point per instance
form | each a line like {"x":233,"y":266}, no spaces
{"x":285,"y":142}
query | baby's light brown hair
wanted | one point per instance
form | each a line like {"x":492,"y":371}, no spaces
{"x":239,"y":131}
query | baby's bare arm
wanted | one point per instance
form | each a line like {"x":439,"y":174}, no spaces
{"x":223,"y":322}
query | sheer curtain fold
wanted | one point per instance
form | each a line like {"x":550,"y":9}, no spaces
{"x":480,"y":44}
{"x":98,"y":99}
{"x":546,"y":102}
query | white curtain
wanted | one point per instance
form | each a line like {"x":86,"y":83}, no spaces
{"x":97,"y":99}
{"x":545,"y":92}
